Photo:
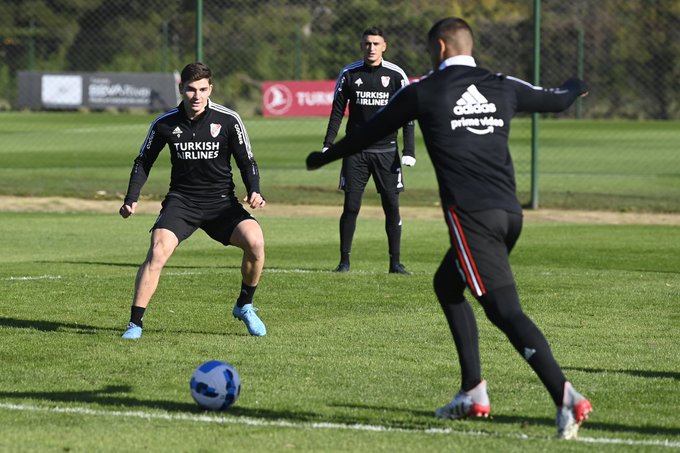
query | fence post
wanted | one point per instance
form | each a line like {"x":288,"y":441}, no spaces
{"x":535,"y":116}
{"x":199,"y":30}
{"x":580,"y":43}
{"x":31,"y":44}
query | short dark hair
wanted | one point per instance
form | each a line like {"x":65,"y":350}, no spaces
{"x":373,"y":31}
{"x":195,"y":71}
{"x":448,"y":27}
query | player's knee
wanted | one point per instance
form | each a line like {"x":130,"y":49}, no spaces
{"x":390,"y":202}
{"x":163,"y":244}
{"x":257,"y":248}
{"x":439,"y":285}
{"x":352,"y":204}
{"x":254,"y":247}
{"x":158,"y":256}
{"x":446,"y":287}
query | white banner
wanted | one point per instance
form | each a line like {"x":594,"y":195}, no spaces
{"x":62,"y":90}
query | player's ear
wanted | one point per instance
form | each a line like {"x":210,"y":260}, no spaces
{"x":442,"y":49}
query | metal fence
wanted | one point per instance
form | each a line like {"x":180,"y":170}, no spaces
{"x":627,"y":50}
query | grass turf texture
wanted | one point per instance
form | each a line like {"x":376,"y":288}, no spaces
{"x":360,"y":348}
{"x":614,"y":165}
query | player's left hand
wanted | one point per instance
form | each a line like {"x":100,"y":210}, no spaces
{"x":577,"y":85}
{"x":408,"y":161}
{"x":314,"y":160}
{"x":255,"y":200}
{"x":127,"y":210}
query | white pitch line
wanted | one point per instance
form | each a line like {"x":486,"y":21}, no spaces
{"x":314,"y":425}
{"x":39,"y":277}
{"x":183,"y":273}
{"x":293,"y":271}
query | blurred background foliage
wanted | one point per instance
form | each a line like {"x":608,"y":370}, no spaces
{"x":627,"y":50}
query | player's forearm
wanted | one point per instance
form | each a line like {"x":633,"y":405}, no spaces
{"x":334,"y":123}
{"x":551,"y":99}
{"x":138,"y":177}
{"x":250,"y":174}
{"x":409,"y":140}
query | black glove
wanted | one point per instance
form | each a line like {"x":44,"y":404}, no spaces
{"x":577,"y":85}
{"x":314,"y":160}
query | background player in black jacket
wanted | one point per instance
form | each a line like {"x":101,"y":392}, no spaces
{"x":367,"y":85}
{"x":464,"y":113}
{"x":202,"y":138}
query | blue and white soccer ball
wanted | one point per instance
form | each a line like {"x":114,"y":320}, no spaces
{"x":215,"y":385}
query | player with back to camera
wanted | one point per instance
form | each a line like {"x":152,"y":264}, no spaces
{"x":367,"y":85}
{"x":202,"y":137}
{"x":464,"y":113}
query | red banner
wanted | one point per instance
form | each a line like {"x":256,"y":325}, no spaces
{"x":297,"y":98}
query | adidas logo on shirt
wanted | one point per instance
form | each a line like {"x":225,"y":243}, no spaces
{"x":472,"y":101}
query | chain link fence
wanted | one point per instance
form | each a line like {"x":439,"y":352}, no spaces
{"x":627,"y":50}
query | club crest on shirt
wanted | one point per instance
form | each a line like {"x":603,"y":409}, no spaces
{"x":215,"y":129}
{"x":385,"y":80}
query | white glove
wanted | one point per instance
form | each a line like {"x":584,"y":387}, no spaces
{"x":408,"y":161}
{"x":324,"y":149}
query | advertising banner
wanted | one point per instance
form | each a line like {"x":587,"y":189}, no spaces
{"x":96,"y":90}
{"x":297,"y":98}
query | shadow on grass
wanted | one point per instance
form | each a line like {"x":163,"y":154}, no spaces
{"x":115,"y":395}
{"x":52,"y":326}
{"x":675,"y":375}
{"x":529,"y":421}
{"x":116,"y":398}
{"x":136,"y":265}
{"x":82,"y":329}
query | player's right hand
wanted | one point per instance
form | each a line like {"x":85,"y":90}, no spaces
{"x":408,"y":161}
{"x":314,"y":160}
{"x":577,"y":85}
{"x":255,"y":200}
{"x":127,"y":210}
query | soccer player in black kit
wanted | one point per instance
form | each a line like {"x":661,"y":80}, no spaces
{"x":202,"y":137}
{"x":367,"y":85}
{"x":464,"y":113}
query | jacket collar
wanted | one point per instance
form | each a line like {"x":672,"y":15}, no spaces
{"x":458,"y":60}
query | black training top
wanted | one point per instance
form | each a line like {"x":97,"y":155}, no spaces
{"x":464,"y":113}
{"x":200,"y":153}
{"x":367,"y":89}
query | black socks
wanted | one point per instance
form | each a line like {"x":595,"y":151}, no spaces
{"x":137,"y":315}
{"x":246,"y":296}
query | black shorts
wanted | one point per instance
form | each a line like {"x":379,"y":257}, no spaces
{"x":385,"y":168}
{"x":218,"y":218}
{"x":482,"y":241}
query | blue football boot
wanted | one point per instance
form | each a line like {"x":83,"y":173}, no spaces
{"x":133,"y":332}
{"x":249,"y":317}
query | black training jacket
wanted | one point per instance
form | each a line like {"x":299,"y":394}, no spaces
{"x":464,"y":113}
{"x":200,"y":153}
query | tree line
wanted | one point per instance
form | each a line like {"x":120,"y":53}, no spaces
{"x":626,"y":49}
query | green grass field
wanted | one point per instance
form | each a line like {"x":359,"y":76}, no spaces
{"x":612,"y":165}
{"x":365,"y":348}
{"x":351,"y":362}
